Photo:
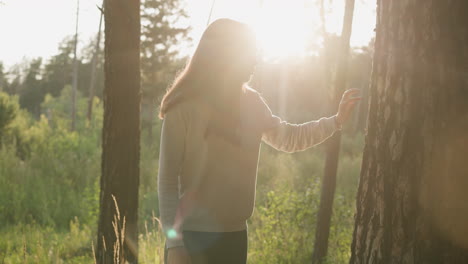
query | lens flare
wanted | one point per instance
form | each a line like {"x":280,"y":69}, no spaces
{"x":171,"y":233}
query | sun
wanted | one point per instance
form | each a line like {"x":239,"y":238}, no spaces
{"x":290,"y":28}
{"x":294,"y":29}
{"x":285,"y":29}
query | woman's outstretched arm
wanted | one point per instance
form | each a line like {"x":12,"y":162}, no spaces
{"x":289,"y":137}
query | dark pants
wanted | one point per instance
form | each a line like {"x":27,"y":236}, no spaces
{"x":216,"y":248}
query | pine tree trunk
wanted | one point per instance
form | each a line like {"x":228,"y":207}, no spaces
{"x":361,"y":111}
{"x":117,"y":230}
{"x":92,"y":82}
{"x":333,"y":145}
{"x":75,"y":71}
{"x":411,"y":203}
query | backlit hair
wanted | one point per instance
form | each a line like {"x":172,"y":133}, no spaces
{"x":222,"y":45}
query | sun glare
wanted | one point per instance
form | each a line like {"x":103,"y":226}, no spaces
{"x":289,"y":28}
{"x":285,"y":29}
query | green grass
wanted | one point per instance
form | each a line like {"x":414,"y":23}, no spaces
{"x":32,"y":243}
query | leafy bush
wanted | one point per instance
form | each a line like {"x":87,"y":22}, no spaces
{"x":58,"y":178}
{"x":8,"y":110}
{"x":282,"y":229}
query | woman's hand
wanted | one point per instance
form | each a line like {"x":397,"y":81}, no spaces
{"x":178,"y":255}
{"x":347,"y":103}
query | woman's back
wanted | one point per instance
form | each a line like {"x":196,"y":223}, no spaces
{"x":217,"y":156}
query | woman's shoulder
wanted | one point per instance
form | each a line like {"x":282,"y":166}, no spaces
{"x":249,"y":91}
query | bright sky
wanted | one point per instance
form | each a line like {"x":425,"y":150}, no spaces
{"x":32,"y":28}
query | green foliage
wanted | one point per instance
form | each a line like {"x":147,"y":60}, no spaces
{"x":162,"y":30}
{"x":148,"y":205}
{"x":3,"y":79}
{"x":8,"y":112}
{"x":36,"y":244}
{"x":57,"y":72}
{"x":282,"y":229}
{"x":31,"y":243}
{"x":57,"y":180}
{"x":33,"y":80}
{"x":31,"y":90}
{"x":58,"y":112}
{"x":14,"y":125}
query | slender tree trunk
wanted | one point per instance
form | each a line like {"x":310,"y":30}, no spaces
{"x":328,"y":62}
{"x":361,"y":112}
{"x":151,"y":110}
{"x":75,"y":71}
{"x":333,"y":145}
{"x":411,"y":203}
{"x":92,"y":82}
{"x":211,"y":12}
{"x":117,"y":230}
{"x":152,"y":114}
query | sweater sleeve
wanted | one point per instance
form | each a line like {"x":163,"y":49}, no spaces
{"x":170,"y":162}
{"x":288,"y":137}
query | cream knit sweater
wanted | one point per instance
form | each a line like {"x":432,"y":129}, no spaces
{"x":208,"y":166}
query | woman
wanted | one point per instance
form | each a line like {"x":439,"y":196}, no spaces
{"x":212,"y":128}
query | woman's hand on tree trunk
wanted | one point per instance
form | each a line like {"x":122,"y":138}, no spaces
{"x":347,"y":103}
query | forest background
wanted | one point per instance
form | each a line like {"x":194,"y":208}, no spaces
{"x":49,"y":173}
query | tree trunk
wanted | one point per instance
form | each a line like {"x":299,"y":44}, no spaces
{"x":362,"y":108}
{"x":75,"y":71}
{"x":411,"y":203}
{"x":92,"y":82}
{"x":333,"y":145}
{"x":152,"y":109}
{"x":117,"y":230}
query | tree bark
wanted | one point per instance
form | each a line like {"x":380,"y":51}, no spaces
{"x":117,"y":230}
{"x":411,"y":203}
{"x":333,"y":145}
{"x":92,"y":82}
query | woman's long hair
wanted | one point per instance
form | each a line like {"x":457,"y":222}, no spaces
{"x":224,"y":53}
